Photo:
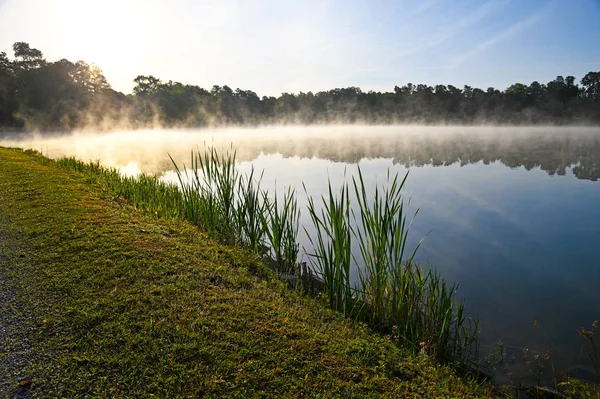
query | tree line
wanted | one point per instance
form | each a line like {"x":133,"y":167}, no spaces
{"x":36,"y":94}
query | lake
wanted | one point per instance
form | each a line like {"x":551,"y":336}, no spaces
{"x":513,"y":214}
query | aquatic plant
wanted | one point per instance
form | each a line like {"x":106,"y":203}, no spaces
{"x":280,"y":224}
{"x":209,"y":191}
{"x":234,"y":207}
{"x":252,"y":205}
{"x":396,"y":297}
{"x":332,"y":244}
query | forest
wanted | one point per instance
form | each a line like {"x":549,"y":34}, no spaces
{"x":39,"y":95}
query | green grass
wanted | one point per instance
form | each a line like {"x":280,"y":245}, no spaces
{"x":130,"y":301}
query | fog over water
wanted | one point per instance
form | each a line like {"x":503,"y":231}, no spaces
{"x":513,"y":212}
{"x":553,"y":149}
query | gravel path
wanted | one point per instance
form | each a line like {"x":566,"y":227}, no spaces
{"x":16,"y":318}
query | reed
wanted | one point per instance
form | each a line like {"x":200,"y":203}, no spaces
{"x":331,"y":245}
{"x":381,"y":231}
{"x":252,"y":205}
{"x":414,"y":306}
{"x":235,"y":208}
{"x":280,"y":223}
{"x":209,"y":191}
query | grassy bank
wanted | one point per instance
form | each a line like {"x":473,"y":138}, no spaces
{"x":129,"y":305}
{"x":414,"y":306}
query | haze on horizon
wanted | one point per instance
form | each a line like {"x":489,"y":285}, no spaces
{"x":273,"y":47}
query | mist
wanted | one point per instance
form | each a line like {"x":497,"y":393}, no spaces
{"x":553,"y":149}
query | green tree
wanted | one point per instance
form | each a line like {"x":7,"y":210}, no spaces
{"x":27,"y":58}
{"x":146,"y":85}
{"x":591,"y":86}
{"x":8,"y":103}
{"x":89,"y":77}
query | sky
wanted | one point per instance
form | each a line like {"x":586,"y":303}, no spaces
{"x":272,"y":47}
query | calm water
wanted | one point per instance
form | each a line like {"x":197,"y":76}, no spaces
{"x":514,"y":214}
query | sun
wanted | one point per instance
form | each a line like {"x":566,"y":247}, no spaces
{"x":111,"y":34}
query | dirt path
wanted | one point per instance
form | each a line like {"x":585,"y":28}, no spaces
{"x":16,"y":319}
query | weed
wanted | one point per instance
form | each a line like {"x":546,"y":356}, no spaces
{"x":589,"y":336}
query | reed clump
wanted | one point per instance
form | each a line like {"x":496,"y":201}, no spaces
{"x":237,"y":210}
{"x":415,"y":306}
{"x":412,"y":305}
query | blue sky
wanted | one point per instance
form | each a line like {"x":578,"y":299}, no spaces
{"x":290,"y":46}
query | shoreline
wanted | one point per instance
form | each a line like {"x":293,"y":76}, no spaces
{"x":134,"y":281}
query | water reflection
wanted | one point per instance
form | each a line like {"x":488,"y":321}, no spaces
{"x":554,"y":150}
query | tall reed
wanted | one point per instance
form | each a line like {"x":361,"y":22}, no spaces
{"x":393,"y":295}
{"x":209,"y":190}
{"x":280,"y":223}
{"x":332,"y":247}
{"x":381,"y":231}
{"x":252,"y":204}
